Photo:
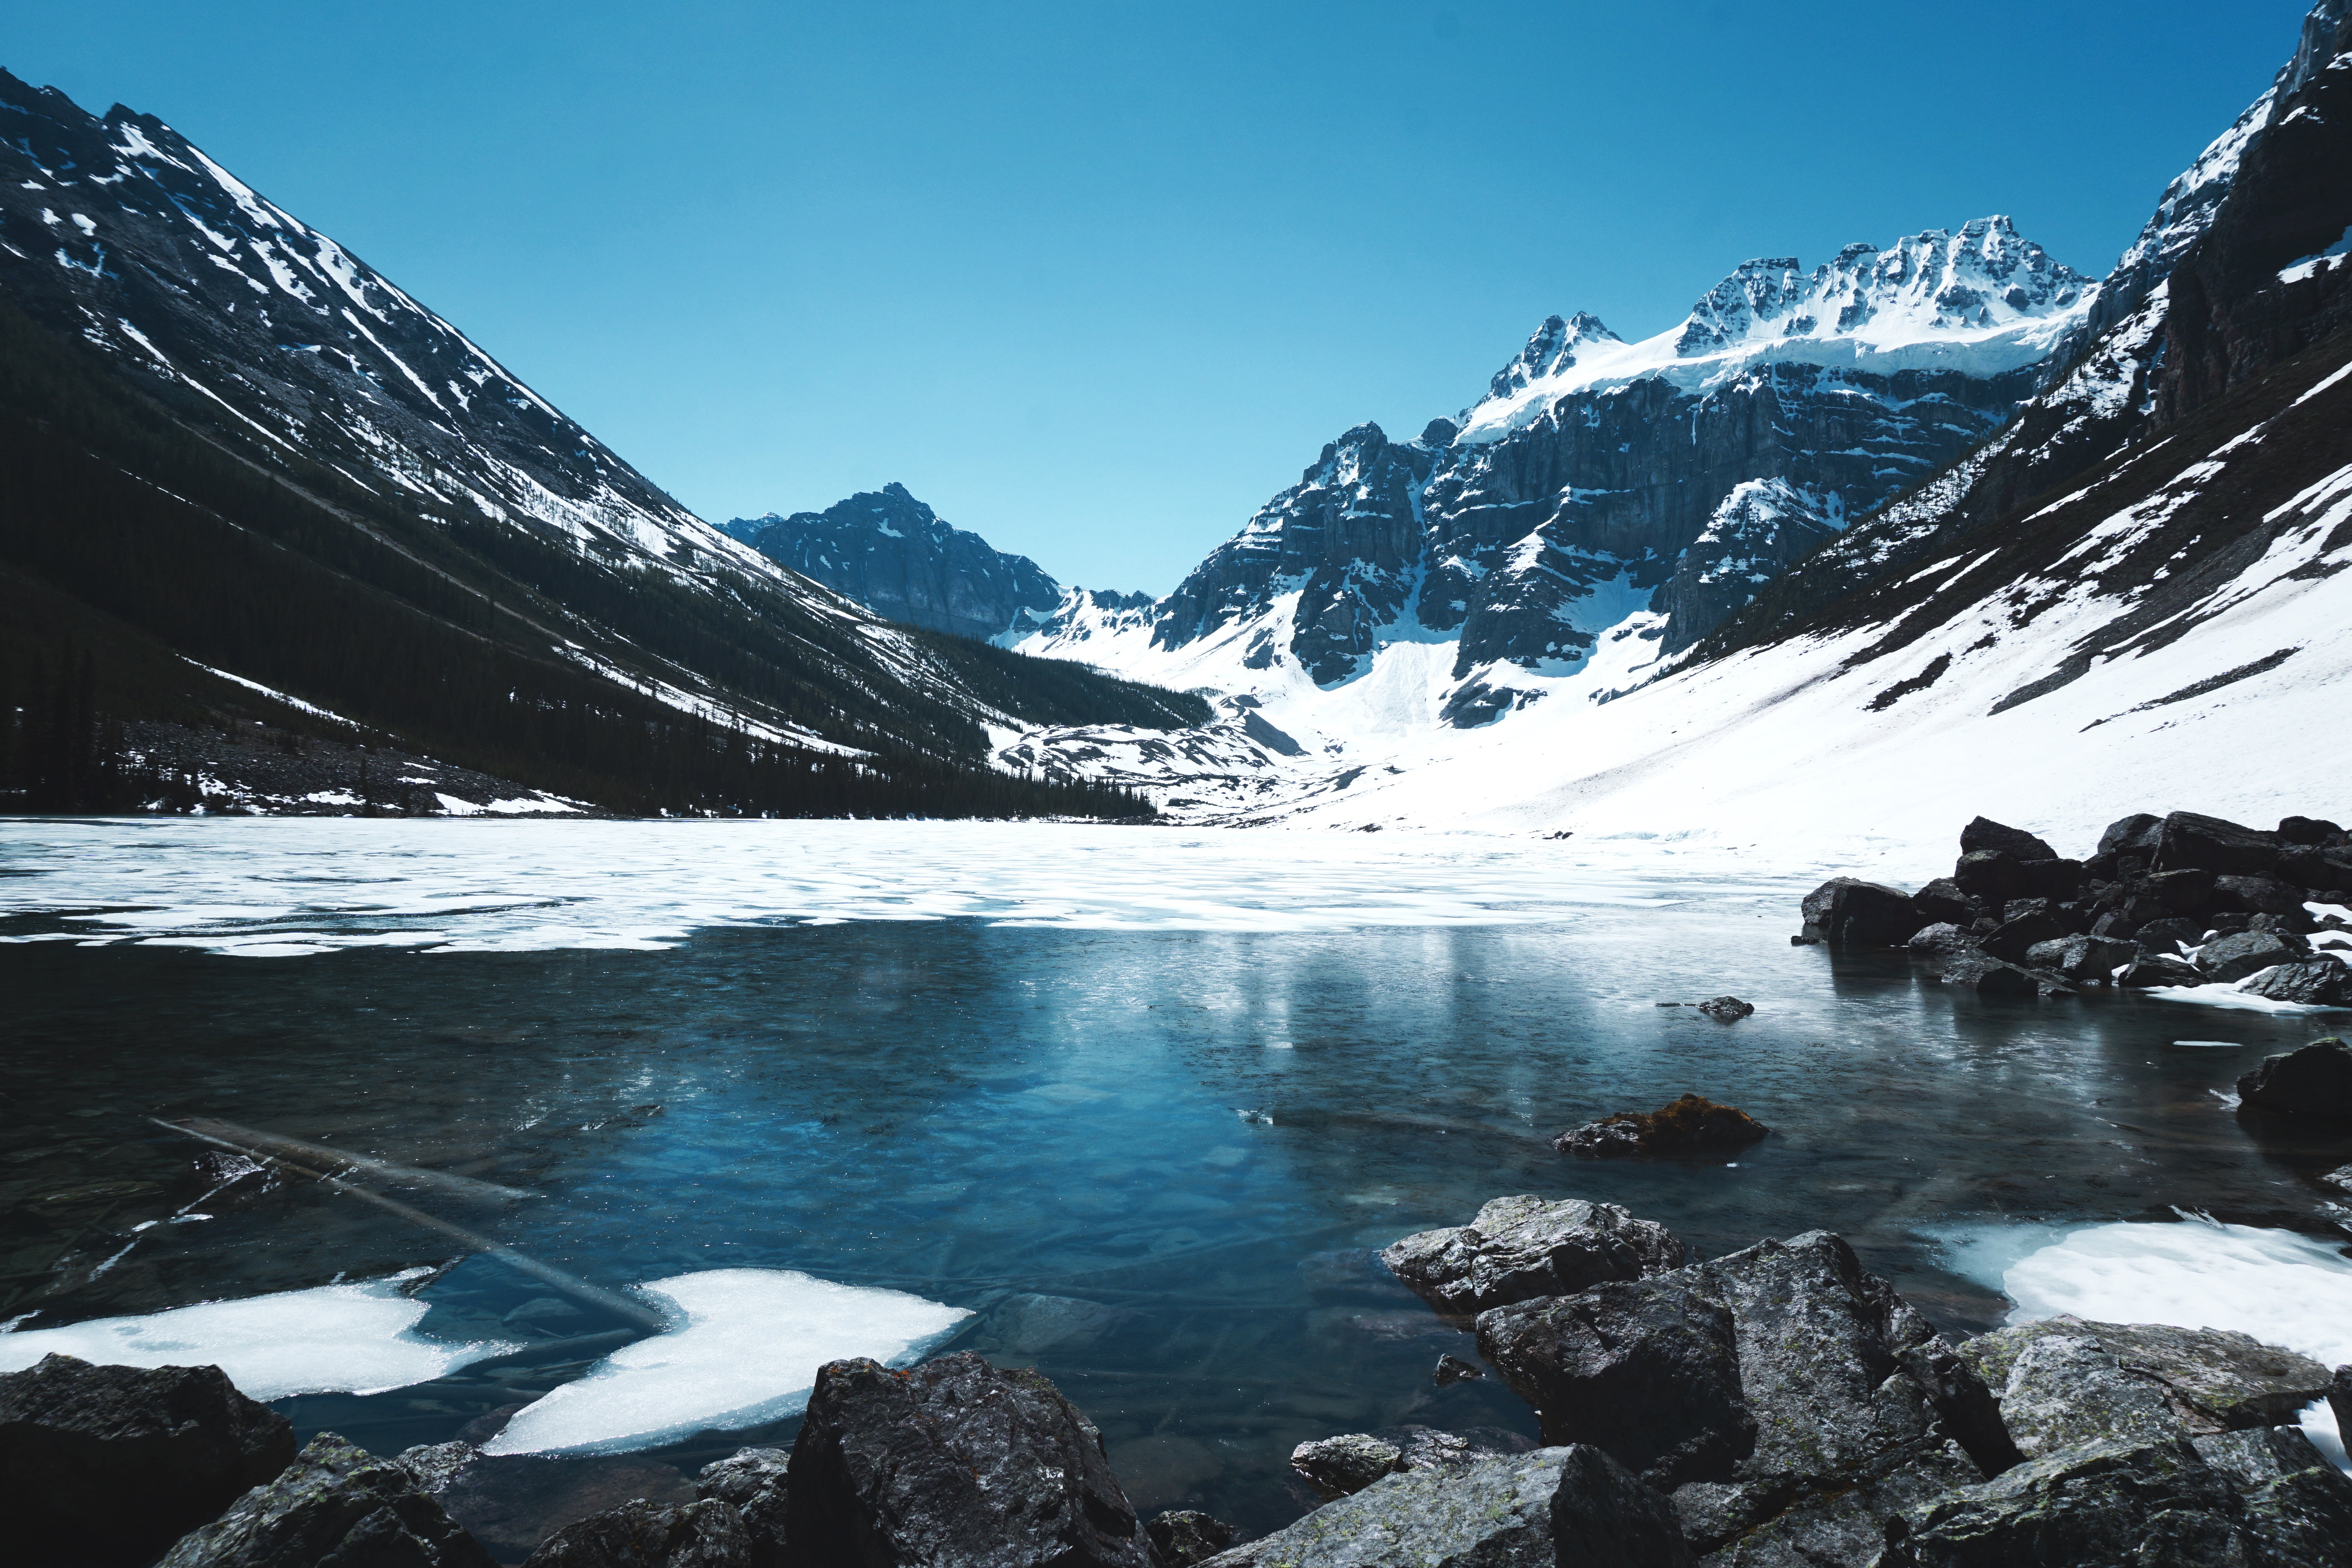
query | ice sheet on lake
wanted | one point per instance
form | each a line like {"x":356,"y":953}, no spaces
{"x":744,"y":1350}
{"x":295,"y":886}
{"x":2285,"y":1288}
{"x":333,"y":1339}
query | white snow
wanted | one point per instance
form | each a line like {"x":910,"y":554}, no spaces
{"x":354,"y":1339}
{"x":272,"y":693}
{"x":743,"y":1350}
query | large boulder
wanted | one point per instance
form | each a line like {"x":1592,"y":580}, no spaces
{"x":2307,"y":830}
{"x":2297,"y":1506}
{"x":706,"y":1534}
{"x":954,"y":1461}
{"x":1942,"y":902}
{"x":1182,"y":1537}
{"x":1345,"y":1464}
{"x":1556,"y":1508}
{"x":1942,"y":937}
{"x":752,"y":1482}
{"x":2227,"y":959}
{"x":1850,"y":913}
{"x":2083,"y":958}
{"x":2070,"y":1388}
{"x":1992,"y":876}
{"x":2314,"y":1081}
{"x":2134,"y":835}
{"x":1518,"y":1248}
{"x":2320,"y":982}
{"x":2316,"y":871}
{"x":2209,"y":844}
{"x":2207,"y":1380}
{"x":2091,"y":1505}
{"x":2153,"y":969}
{"x":1972,"y":969}
{"x":2016,"y":935}
{"x":2257,"y":896}
{"x":1983,"y":833}
{"x":1778,"y":1377}
{"x":1693,"y":1124}
{"x":336,"y":1506}
{"x":110,"y":1465}
{"x":2186,"y":892}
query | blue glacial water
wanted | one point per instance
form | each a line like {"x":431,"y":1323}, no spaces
{"x":1142,"y":1111}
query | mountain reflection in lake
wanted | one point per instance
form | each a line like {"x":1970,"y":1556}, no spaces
{"x":1153,"y":1163}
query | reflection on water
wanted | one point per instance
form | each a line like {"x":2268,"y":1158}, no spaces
{"x":1151,"y":1163}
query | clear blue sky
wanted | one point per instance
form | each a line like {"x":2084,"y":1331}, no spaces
{"x":1096,"y":279}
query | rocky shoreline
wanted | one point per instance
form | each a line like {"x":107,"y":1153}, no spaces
{"x":2179,"y":900}
{"x":1778,"y":1407}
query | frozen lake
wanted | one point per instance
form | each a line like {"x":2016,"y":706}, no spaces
{"x":1129,"y":1105}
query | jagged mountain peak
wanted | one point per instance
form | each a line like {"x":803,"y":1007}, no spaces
{"x":1551,"y":348}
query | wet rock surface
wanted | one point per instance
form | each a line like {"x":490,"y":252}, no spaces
{"x":2315,"y":1081}
{"x":752,"y":1482}
{"x":336,"y":1504}
{"x":77,"y":1441}
{"x":2209,"y":1380}
{"x":1338,"y":1466}
{"x":1524,"y":1247}
{"x":1553,"y":1507}
{"x":1847,"y":911}
{"x":1691,"y":1125}
{"x":641,"y":1534}
{"x":1182,"y":1537}
{"x":954,"y":1461}
{"x":1728,"y":1009}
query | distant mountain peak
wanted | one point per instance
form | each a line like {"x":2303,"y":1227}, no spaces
{"x":1551,"y":349}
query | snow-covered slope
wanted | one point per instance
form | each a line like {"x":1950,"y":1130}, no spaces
{"x":2057,"y":618}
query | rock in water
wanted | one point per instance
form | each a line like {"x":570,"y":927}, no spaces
{"x":2086,"y":958}
{"x":1850,"y":913}
{"x":336,"y":1504}
{"x":435,"y":1465}
{"x":1970,"y":969}
{"x":110,"y":1465}
{"x":1339,"y":1466}
{"x":1691,"y":1125}
{"x":1942,"y":937}
{"x":640,"y":1534}
{"x":1556,"y":1508}
{"x":1726,"y":1009}
{"x":1942,"y":902}
{"x":953,"y":1461}
{"x":2150,"y":969}
{"x":2321,"y":982}
{"x":1182,"y":1537}
{"x":2314,"y":1081}
{"x":1452,"y":1369}
{"x":2210,"y":1380}
{"x":752,"y":1482}
{"x":1983,"y":833}
{"x":1525,"y":1246}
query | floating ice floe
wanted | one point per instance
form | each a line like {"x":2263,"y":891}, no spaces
{"x":743,"y":1350}
{"x":2285,"y":1288}
{"x":333,"y":1339}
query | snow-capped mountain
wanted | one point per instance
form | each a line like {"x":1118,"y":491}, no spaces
{"x":891,"y":554}
{"x":1928,"y":528}
{"x":340,"y":504}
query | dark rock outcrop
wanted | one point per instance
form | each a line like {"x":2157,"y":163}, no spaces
{"x":2093,"y":1505}
{"x":1942,"y":902}
{"x":2209,"y":844}
{"x":1972,"y":969}
{"x":1983,"y":833}
{"x":2231,"y":958}
{"x":1943,"y":937}
{"x":752,"y":1482}
{"x":1691,"y":1125}
{"x":112,"y":1464}
{"x":1556,"y":1508}
{"x":1182,"y":1537}
{"x":1726,"y":1009}
{"x":336,"y":1506}
{"x":1847,"y":911}
{"x":2152,"y":969}
{"x":2017,"y":935}
{"x":2207,"y":1380}
{"x":1342,"y":1466}
{"x":640,"y":1534}
{"x":2314,"y":1081}
{"x":2083,"y":959}
{"x":2322,"y":981}
{"x":2298,"y":1505}
{"x":1452,"y":1369}
{"x":954,"y":1461}
{"x":1518,"y":1248}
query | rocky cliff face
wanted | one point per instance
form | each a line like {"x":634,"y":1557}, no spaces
{"x":891,"y":554}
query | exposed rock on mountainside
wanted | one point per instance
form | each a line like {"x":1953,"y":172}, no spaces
{"x":891,"y":554}
{"x":249,"y":477}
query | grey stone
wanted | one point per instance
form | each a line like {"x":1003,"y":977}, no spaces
{"x":2297,"y":1506}
{"x":435,"y":1465}
{"x":1943,"y":937}
{"x":2315,"y":1081}
{"x":1845,"y":1527}
{"x":2068,"y":1388}
{"x":1452,"y":1369}
{"x":2339,"y":1397}
{"x":706,"y":1534}
{"x":1850,"y":913}
{"x":2093,"y":959}
{"x":752,"y":1482}
{"x":2092,"y":1505}
{"x":1973,"y":970}
{"x":1338,"y":1467}
{"x":2212,"y":1380}
{"x":335,"y":1505}
{"x":1983,"y":833}
{"x":2227,"y":959}
{"x":2153,"y":969}
{"x":953,"y":1461}
{"x":1182,"y":1537}
{"x":1726,"y":1009}
{"x":112,"y":1464}
{"x":1517,"y":1248}
{"x":1556,"y":1508}
{"x":2211,"y":844}
{"x":2321,"y":982}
